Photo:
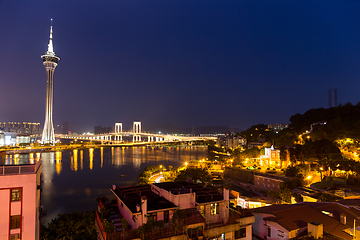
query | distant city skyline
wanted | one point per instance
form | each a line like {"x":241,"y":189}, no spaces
{"x":187,"y":63}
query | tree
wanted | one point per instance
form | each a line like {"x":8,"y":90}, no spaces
{"x":324,"y":152}
{"x":257,"y":131}
{"x":196,"y":174}
{"x":108,"y":226}
{"x":324,"y":197}
{"x":146,"y":174}
{"x":285,"y":195}
{"x":125,"y":225}
{"x":76,"y":225}
{"x":177,"y":220}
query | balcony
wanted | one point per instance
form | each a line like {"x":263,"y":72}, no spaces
{"x":19,"y":169}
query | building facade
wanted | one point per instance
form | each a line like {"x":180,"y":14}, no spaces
{"x":271,"y":158}
{"x":20,"y":201}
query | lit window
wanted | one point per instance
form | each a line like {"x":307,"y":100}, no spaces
{"x":15,"y":194}
{"x":15,"y":221}
{"x":214,"y":208}
{"x":15,"y":236}
{"x":201,"y":210}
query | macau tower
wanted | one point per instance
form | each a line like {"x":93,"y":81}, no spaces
{"x":50,"y":61}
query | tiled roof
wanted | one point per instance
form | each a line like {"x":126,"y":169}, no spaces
{"x":296,"y":216}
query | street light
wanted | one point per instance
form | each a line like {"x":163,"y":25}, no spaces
{"x":354,"y":236}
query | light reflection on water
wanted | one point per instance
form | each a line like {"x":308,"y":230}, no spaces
{"x":73,"y":179}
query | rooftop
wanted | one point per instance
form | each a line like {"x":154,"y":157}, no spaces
{"x":131,"y":196}
{"x":203,"y":194}
{"x":297,"y":216}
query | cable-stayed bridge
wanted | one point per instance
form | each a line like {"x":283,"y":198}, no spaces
{"x":137,"y":135}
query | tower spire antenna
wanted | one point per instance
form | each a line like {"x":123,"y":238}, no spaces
{"x":50,"y":45}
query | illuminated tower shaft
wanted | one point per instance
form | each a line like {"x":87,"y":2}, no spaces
{"x":50,"y":62}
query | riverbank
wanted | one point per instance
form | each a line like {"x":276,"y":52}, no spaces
{"x":87,"y":145}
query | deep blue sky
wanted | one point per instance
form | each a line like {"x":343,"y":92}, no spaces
{"x":234,"y":63}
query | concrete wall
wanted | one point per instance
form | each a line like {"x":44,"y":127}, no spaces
{"x":128,"y":215}
{"x":267,"y":182}
{"x":184,"y":200}
{"x":242,"y":175}
{"x":260,"y":228}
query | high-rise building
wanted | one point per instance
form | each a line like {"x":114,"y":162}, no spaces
{"x":20,"y":127}
{"x":333,"y":98}
{"x":62,"y":128}
{"x":100,"y":130}
{"x":50,"y":61}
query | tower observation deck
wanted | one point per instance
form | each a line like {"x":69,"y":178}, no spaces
{"x":50,"y":61}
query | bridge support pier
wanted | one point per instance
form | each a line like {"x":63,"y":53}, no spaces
{"x":136,"y":138}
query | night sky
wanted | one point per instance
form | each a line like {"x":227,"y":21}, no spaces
{"x":190,"y":63}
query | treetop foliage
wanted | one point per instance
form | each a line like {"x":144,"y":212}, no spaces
{"x":197,"y":175}
{"x":341,"y":122}
{"x":72,"y":226}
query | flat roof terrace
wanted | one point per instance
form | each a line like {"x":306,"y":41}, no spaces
{"x":203,"y":194}
{"x":131,"y":196}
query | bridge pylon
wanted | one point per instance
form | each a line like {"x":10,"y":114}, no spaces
{"x":118,"y":132}
{"x":136,"y":131}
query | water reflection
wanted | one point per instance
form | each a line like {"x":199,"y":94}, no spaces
{"x":74,"y":160}
{"x":91,"y":157}
{"x":117,"y":157}
{"x":58,"y":162}
{"x":16,"y":159}
{"x":137,"y":158}
{"x":102,"y":156}
{"x":31,"y":158}
{"x":81,"y":159}
{"x":47,"y":162}
{"x":112,"y":156}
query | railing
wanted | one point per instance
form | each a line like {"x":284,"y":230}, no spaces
{"x":19,"y":169}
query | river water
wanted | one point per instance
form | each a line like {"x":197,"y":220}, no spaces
{"x":73,"y":179}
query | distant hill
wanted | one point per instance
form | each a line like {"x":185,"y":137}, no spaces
{"x":189,"y":130}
